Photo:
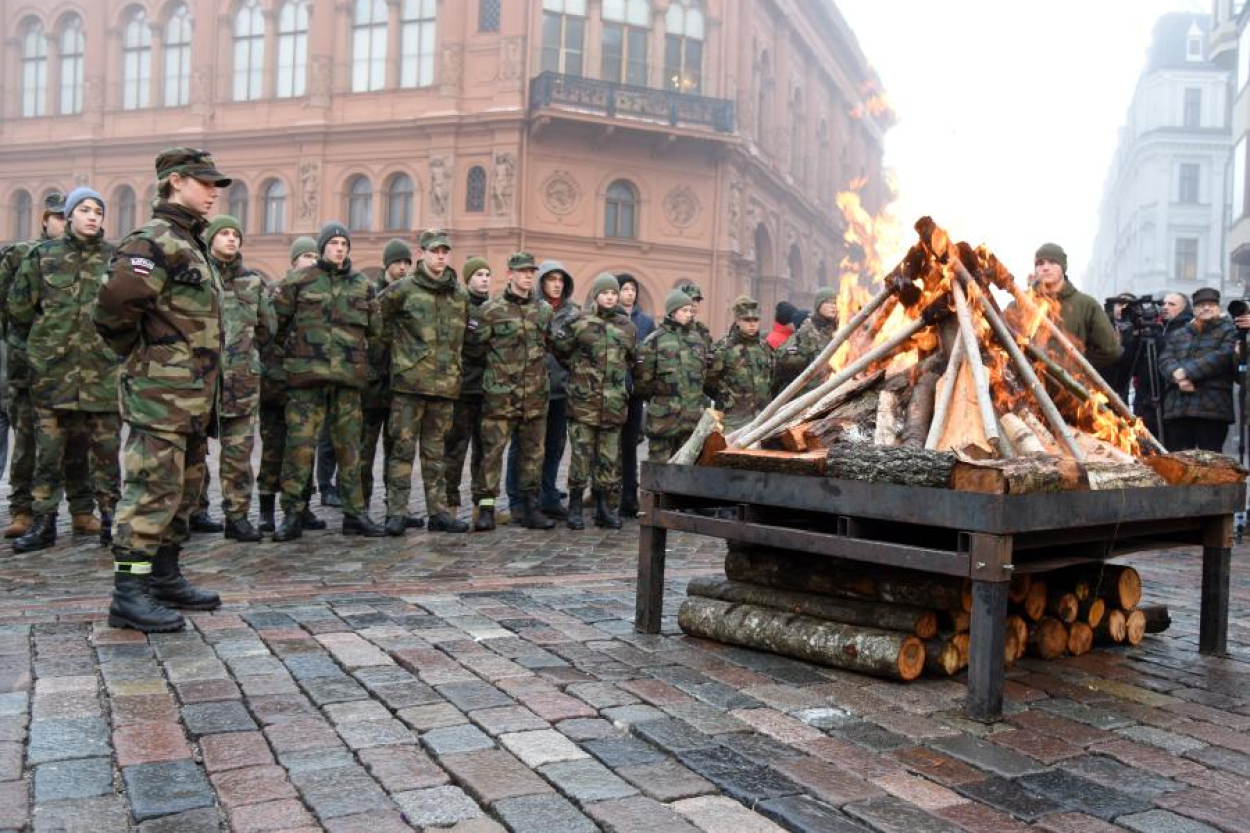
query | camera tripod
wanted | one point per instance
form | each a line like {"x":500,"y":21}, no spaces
{"x":1147,"y":347}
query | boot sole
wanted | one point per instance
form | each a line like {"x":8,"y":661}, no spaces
{"x":175,"y":606}
{"x":116,"y":621}
{"x":246,"y":539}
{"x":359,"y":534}
{"x":39,"y":548}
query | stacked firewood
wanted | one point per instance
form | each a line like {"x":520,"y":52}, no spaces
{"x":898,"y":623}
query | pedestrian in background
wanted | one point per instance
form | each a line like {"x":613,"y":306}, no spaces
{"x":1199,"y":366}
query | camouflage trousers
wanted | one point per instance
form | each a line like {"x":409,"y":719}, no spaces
{"x":531,"y":437}
{"x":424,"y":420}
{"x":372,"y":429}
{"x":24,"y":454}
{"x":659,"y":449}
{"x":98,"y":435}
{"x":164,"y":473}
{"x":272,"y":447}
{"x":596,"y":458}
{"x":306,"y":410}
{"x":234,"y":467}
{"x":466,"y":429}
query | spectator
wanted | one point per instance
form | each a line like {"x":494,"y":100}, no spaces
{"x":1174,"y":314}
{"x":1082,"y":316}
{"x":1198,"y":366}
{"x":783,"y":324}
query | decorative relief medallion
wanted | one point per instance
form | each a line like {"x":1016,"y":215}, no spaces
{"x":561,"y":192}
{"x":681,"y":206}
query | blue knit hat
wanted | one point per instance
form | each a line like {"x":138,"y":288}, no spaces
{"x":79,"y":194}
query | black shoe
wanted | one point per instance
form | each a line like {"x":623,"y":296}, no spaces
{"x":575,"y":519}
{"x":201,"y":521}
{"x":443,"y":522}
{"x":416,"y":523}
{"x":106,"y":529}
{"x":362,"y":525}
{"x":330,"y":497}
{"x":134,"y":607}
{"x":605,"y":515}
{"x":485,"y":518}
{"x":40,"y":536}
{"x":555,"y":510}
{"x":310,"y":521}
{"x":241,"y":530}
{"x":292,"y":526}
{"x":170,"y":588}
{"x":396,"y":525}
{"x":531,"y":517}
{"x":267,"y":525}
{"x":629,"y":509}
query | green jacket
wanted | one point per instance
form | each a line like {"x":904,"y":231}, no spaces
{"x":672,"y":369}
{"x":512,"y":336}
{"x":249,"y":323}
{"x":376,"y":395}
{"x":798,"y":351}
{"x":327,"y":316}
{"x":273,"y":377}
{"x":49,"y":309}
{"x":472,"y":364}
{"x":740,"y":379}
{"x":161,"y":310}
{"x":423,"y":324}
{"x":599,"y":350}
{"x":1084,"y":318}
{"x":18,"y":368}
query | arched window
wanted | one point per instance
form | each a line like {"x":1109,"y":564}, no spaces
{"x":123,"y":211}
{"x":683,"y":46}
{"x":275,"y":207}
{"x":360,"y":204}
{"x":620,"y":216}
{"x":249,"y":51}
{"x":178,"y":57}
{"x":564,"y":36}
{"x":73,"y":45}
{"x":34,"y":71}
{"x":292,"y":49}
{"x":475,"y":190}
{"x":136,"y":60}
{"x":399,"y":202}
{"x":626,"y":30}
{"x":237,"y":202}
{"x":369,"y":46}
{"x":488,"y":15}
{"x":418,"y":30}
{"x":149,"y":198}
{"x":22,"y":211}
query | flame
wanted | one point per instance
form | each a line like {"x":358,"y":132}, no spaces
{"x":875,"y":103}
{"x":867,"y":237}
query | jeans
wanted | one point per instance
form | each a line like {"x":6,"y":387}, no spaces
{"x":557,"y":438}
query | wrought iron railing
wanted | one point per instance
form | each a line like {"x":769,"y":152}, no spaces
{"x":570,"y":92}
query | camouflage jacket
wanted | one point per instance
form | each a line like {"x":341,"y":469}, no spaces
{"x":273,"y":377}
{"x":472,"y":365}
{"x":803,"y":345}
{"x":327,"y":316}
{"x":672,"y":366}
{"x":18,"y":368}
{"x":376,"y":395}
{"x":248,"y":322}
{"x":512,"y":337}
{"x":49,"y":311}
{"x":423,"y":323}
{"x":740,"y":379}
{"x":1206,"y":351}
{"x":599,"y":350}
{"x":161,"y":310}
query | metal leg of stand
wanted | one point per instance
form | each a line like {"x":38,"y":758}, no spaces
{"x":652,"y":548}
{"x":1217,"y":543}
{"x":986,"y":668}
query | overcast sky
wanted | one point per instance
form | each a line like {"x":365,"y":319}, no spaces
{"x":1008,"y":111}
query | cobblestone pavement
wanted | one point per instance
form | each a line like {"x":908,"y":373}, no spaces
{"x":494,"y":682}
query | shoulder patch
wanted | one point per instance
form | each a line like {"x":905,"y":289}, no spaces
{"x":142,"y":265}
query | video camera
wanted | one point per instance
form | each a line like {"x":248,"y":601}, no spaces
{"x":1237,"y":308}
{"x":1140,"y":315}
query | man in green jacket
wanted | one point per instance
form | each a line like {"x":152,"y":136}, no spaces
{"x":466,"y":419}
{"x":375,"y":399}
{"x":740,"y":378}
{"x":1083,"y":317}
{"x":423,"y":319}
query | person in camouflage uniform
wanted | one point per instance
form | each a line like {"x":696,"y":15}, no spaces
{"x":21,"y":411}
{"x":160,"y":310}
{"x":513,"y":333}
{"x":375,"y":399}
{"x":466,"y":418}
{"x":672,"y":367}
{"x":696,"y":299}
{"x":74,"y":387}
{"x":424,"y":318}
{"x":740,"y":378}
{"x":808,"y":340}
{"x":599,"y":349}
{"x":327,"y":315}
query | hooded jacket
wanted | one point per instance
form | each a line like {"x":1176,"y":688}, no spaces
{"x":563,"y":314}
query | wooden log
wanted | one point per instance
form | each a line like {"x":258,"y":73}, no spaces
{"x":1048,"y":639}
{"x":887,"y":426}
{"x":945,"y":394}
{"x":1021,"y":476}
{"x":1119,"y":584}
{"x":1092,"y":611}
{"x":845,"y":423}
{"x":1063,"y":606}
{"x":853,"y":648}
{"x":980,"y":380}
{"x":964,"y":643}
{"x":796,"y":438}
{"x":1158,"y":619}
{"x":1111,"y":476}
{"x":1081,"y":588}
{"x":1011,"y":648}
{"x":1112,"y":629}
{"x":963,"y":432}
{"x":1025,"y":442}
{"x":762,"y":459}
{"x":920,"y":410}
{"x":1034,"y":605}
{"x":714,"y":444}
{"x":688,"y":454}
{"x":1019,"y":587}
{"x":956,"y":621}
{"x":1017,"y":625}
{"x":1040,"y":431}
{"x":1080,"y":638}
{"x":1197,"y":468}
{"x":1100,"y":451}
{"x":1134,"y":627}
{"x":880,"y":464}
{"x":891,"y":617}
{"x":941,"y":656}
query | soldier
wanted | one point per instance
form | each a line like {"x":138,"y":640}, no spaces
{"x":161,"y":311}
{"x":513,"y":334}
{"x":696,"y":298}
{"x":375,"y":399}
{"x":631,"y":434}
{"x":327,"y":315}
{"x":808,"y":340}
{"x":672,"y":365}
{"x":273,"y":399}
{"x":740,"y":378}
{"x":74,"y":378}
{"x":424,"y":319}
{"x":466,"y":418}
{"x":599,"y":350}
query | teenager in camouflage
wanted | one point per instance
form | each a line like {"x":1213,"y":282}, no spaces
{"x":160,"y":310}
{"x":512,"y":335}
{"x":375,"y":399}
{"x":327,"y":315}
{"x":808,"y":340}
{"x":672,"y":365}
{"x":466,"y":418}
{"x":598,"y":347}
{"x":740,"y":378}
{"x":74,"y":377}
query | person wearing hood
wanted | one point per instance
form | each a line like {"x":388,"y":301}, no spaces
{"x":423,"y":323}
{"x":466,"y":418}
{"x":375,"y":399}
{"x":783,"y":324}
{"x":631,"y":432}
{"x":74,"y":376}
{"x":1083,"y":318}
{"x":1199,"y":366}
{"x":740,"y":378}
{"x":808,"y":340}
{"x":671,"y":372}
{"x":327,"y":316}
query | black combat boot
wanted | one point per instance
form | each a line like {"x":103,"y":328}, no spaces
{"x":241,"y":529}
{"x":292,"y":525}
{"x":485,"y":517}
{"x":133,"y":605}
{"x":362,"y":525}
{"x":575,"y":519}
{"x":171,"y":588}
{"x":415,"y":522}
{"x":532,"y":517}
{"x":605,"y":513}
{"x":309,"y":520}
{"x":396,"y":525}
{"x":40,"y":536}
{"x":267,"y":525}
{"x":106,"y":529}
{"x":446,"y":522}
{"x":201,"y":521}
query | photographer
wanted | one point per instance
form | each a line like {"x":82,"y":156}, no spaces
{"x":1174,"y":314}
{"x":1198,"y":366}
{"x":1122,"y":309}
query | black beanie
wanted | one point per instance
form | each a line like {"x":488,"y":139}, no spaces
{"x":329,"y":231}
{"x":784,"y":314}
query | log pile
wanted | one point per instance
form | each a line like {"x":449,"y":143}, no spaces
{"x":897,"y":623}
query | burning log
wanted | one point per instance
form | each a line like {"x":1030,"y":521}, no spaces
{"x":965,"y":432}
{"x":1042,"y":433}
{"x":782,"y":462}
{"x":1197,"y":468}
{"x":980,"y":381}
{"x":942,"y":400}
{"x":1048,"y":639}
{"x":920,"y":410}
{"x":845,"y":423}
{"x":887,"y":429}
{"x":709,"y":423}
{"x":883,"y":464}
{"x":853,"y":648}
{"x":1158,"y":619}
{"x":891,"y":617}
{"x":1112,"y":629}
{"x":1080,"y":638}
{"x":1020,"y":476}
{"x":1022,"y":437}
{"x":1100,"y":451}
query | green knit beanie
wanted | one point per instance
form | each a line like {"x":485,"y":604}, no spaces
{"x":302,"y":246}
{"x":675,"y":301}
{"x":221,"y":221}
{"x":1055,"y":252}
{"x":395,"y":249}
{"x":602,"y":283}
{"x":473,"y":264}
{"x":824,"y":294}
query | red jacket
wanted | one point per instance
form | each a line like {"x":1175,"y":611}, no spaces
{"x":779,"y":335}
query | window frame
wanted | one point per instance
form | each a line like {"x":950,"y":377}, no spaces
{"x":291,"y":66}
{"x":73,"y":64}
{"x":136,"y":60}
{"x":34,"y":72}
{"x":407,"y":197}
{"x":489,"y":13}
{"x":369,"y":46}
{"x":678,"y":39}
{"x":475,"y":190}
{"x":238,"y":197}
{"x":1181,"y":259}
{"x":418,"y":43}
{"x":22,"y":215}
{"x":559,"y":56}
{"x":626,"y":67}
{"x":247,"y":77}
{"x":176,"y":78}
{"x":273,"y":205}
{"x":1189,"y":183}
{"x":124,"y":203}
{"x":359,"y":202}
{"x":619,"y":212}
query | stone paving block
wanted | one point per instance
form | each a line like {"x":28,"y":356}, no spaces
{"x":937,"y":766}
{"x":1111,"y":773}
{"x":496,"y":721}
{"x":872,"y":736}
{"x":638,"y":814}
{"x":1010,"y":797}
{"x":737,"y":776}
{"x":353,"y":652}
{"x":673,"y":735}
{"x":893,"y":815}
{"x":437,"y":806}
{"x":65,"y":704}
{"x":555,"y":706}
{"x":827,"y":781}
{"x":666,"y":780}
{"x":1222,"y":759}
{"x":402,"y":768}
{"x":67,"y":738}
{"x":1170,"y":741}
{"x":707,"y":719}
{"x":1077,"y":793}
{"x":341,"y":791}
{"x":471,"y":696}
{"x":987,"y":756}
{"x":588,"y":728}
{"x":311,"y":759}
{"x":301,"y":734}
{"x":804,"y":814}
{"x":1099,"y":718}
{"x":216,"y":718}
{"x":778,"y":726}
{"x":715,"y":813}
{"x":11,"y":754}
{"x":586,"y":781}
{"x":84,"y":778}
{"x":102,"y":814}
{"x":379,"y":821}
{"x":453,"y":739}
{"x":759,"y":748}
{"x":252,"y":785}
{"x":166,"y":787}
{"x":203,"y":820}
{"x":355,"y":711}
{"x":369,"y":733}
{"x":333,"y":689}
{"x":919,"y":791}
{"x":402,"y":695}
{"x":235,"y":750}
{"x":283,"y":708}
{"x":14,"y":804}
{"x":983,"y":819}
{"x":273,"y":815}
{"x":1162,"y":821}
{"x":541,"y":747}
{"x":632,"y":715}
{"x":437,"y":716}
{"x":143,"y":708}
{"x":627,"y":751}
{"x":1075,"y":823}
{"x":491,"y":775}
{"x":142,"y":743}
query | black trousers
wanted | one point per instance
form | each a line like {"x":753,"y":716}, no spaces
{"x":631,"y":436}
{"x":1189,"y":433}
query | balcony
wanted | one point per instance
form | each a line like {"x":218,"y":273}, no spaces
{"x":551,"y":90}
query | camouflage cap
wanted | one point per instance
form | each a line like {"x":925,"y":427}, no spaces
{"x":433,"y":238}
{"x":692,"y":290}
{"x":522,"y":260}
{"x":746,"y":307}
{"x":191,"y":162}
{"x":54,"y":202}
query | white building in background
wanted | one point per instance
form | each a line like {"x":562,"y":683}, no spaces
{"x":1165,"y":208}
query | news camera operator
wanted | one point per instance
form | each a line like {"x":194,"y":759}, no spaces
{"x":1144,"y":325}
{"x":1198,"y":365}
{"x":1120,"y":309}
